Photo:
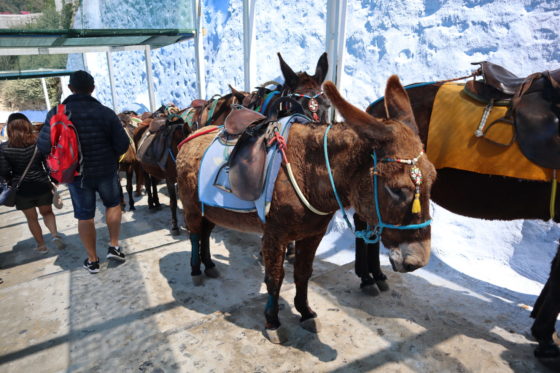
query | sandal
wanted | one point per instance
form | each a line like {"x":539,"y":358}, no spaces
{"x":58,"y":242}
{"x":43,"y":249}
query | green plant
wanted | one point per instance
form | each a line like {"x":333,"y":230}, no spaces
{"x":28,"y":94}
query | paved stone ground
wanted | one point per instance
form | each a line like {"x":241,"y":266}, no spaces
{"x":146,"y":316}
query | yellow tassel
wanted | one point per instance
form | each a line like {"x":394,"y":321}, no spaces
{"x":416,"y":208}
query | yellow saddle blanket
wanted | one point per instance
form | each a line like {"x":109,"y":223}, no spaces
{"x":452,"y":143}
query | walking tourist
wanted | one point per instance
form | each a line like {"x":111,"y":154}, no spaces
{"x":102,"y":141}
{"x":34,"y":193}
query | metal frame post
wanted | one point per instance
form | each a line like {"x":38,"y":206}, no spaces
{"x":46,"y":93}
{"x":149,"y":77}
{"x":112,"y":79}
{"x":199,"y":49}
{"x":335,"y":39}
{"x":249,"y":66}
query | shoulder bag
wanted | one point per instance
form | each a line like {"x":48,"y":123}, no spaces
{"x":8,"y":193}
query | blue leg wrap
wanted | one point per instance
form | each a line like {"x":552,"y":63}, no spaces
{"x":271,"y":304}
{"x":195,"y":254}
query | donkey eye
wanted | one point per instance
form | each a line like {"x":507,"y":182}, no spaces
{"x":399,"y":194}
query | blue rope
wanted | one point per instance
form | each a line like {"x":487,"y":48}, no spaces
{"x":378,"y":229}
{"x":325,"y":148}
{"x":267,"y":100}
{"x":406,"y":87}
{"x":171,"y":154}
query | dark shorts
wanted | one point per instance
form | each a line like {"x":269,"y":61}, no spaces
{"x":25,"y":202}
{"x":83,"y":195}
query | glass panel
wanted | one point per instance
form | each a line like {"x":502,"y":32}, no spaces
{"x":96,"y":14}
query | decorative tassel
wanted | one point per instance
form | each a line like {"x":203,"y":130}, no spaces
{"x":416,"y":208}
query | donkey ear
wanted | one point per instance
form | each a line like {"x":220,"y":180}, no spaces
{"x":397,"y":103}
{"x":359,"y":120}
{"x":290,"y":77}
{"x":238,"y":95}
{"x":322,"y":68}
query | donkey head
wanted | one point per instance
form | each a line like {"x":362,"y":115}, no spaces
{"x":403,"y":175}
{"x":306,"y":89}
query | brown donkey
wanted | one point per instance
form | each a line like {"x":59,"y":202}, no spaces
{"x":490,"y":197}
{"x":128,"y":162}
{"x":350,"y":145}
{"x":172,"y":131}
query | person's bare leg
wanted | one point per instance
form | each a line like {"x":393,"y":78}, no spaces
{"x":86,"y":229}
{"x":33,"y":224}
{"x":113,"y":217}
{"x":50,"y":221}
{"x":49,"y":218}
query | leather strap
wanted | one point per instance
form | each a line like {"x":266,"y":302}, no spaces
{"x":26,"y":168}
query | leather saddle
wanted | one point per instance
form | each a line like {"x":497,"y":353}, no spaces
{"x":155,"y":142}
{"x":157,"y":124}
{"x":534,"y":108}
{"x":244,"y":173}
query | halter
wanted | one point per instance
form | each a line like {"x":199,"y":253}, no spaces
{"x":312,"y":104}
{"x":377,"y":230}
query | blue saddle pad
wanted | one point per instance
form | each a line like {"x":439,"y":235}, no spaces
{"x":212,"y":173}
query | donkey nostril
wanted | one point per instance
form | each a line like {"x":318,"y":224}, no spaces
{"x":410,"y":267}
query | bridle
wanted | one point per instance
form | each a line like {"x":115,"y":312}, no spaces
{"x":312,"y":104}
{"x":373,"y":235}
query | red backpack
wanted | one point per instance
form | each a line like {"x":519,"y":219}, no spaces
{"x":65,"y":158}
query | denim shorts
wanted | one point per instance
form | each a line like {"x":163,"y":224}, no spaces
{"x":83,"y":194}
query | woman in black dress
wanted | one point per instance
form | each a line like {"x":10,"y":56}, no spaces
{"x":35,"y":190}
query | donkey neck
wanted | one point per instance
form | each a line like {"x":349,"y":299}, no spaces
{"x":349,"y":157}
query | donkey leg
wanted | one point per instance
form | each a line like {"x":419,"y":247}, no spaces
{"x":361,"y":264}
{"x":303,"y":268}
{"x":375,"y":266}
{"x":210,"y":269}
{"x":148,"y":186}
{"x":546,"y":311}
{"x":173,"y":205}
{"x":140,"y":179}
{"x":154,"y":182}
{"x":543,"y":295}
{"x":273,"y":256}
{"x":196,"y":274}
{"x":129,"y":189}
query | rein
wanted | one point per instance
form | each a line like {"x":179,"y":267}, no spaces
{"x":414,"y":85}
{"x":378,"y":229}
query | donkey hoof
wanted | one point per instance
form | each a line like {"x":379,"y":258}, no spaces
{"x":175,"y":231}
{"x":132,"y":208}
{"x":547,"y":351}
{"x":212,"y":272}
{"x":382,"y":285}
{"x":276,"y":336}
{"x":197,"y":280}
{"x":370,"y":290}
{"x":312,"y":325}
